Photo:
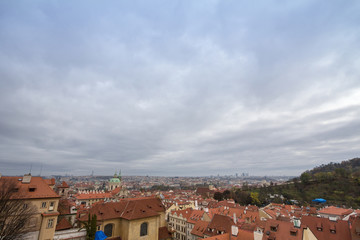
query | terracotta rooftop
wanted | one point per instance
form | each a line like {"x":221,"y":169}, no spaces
{"x":164,"y":233}
{"x":321,"y":228}
{"x":126,"y":209}
{"x":275,"y":229}
{"x":36,"y":188}
{"x":219,"y":223}
{"x":95,"y":195}
{"x":199,"y":228}
{"x":63,"y":225}
{"x":335,"y":211}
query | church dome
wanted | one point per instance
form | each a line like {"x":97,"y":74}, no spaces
{"x":115,"y":180}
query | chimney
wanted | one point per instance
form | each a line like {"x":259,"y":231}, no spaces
{"x":0,"y":175}
{"x":297,"y":223}
{"x":234,"y":230}
{"x":235,"y":220}
{"x":26,"y":178}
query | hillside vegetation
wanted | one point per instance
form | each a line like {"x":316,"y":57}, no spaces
{"x":338,"y":183}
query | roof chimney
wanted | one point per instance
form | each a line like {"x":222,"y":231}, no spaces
{"x":26,"y":178}
{"x":234,"y":230}
{"x":235,"y":220}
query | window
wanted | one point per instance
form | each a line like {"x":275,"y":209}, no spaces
{"x":51,"y":207}
{"x":144,"y":229}
{"x":108,"y":230}
{"x":43,"y":205}
{"x":25,"y":206}
{"x":98,"y":228}
{"x":50,"y":223}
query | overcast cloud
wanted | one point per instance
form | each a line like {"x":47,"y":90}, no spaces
{"x":178,"y":87}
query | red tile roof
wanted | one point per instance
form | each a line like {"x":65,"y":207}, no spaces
{"x":219,"y":223}
{"x":199,"y":228}
{"x":63,"y":185}
{"x":342,"y":231}
{"x":93,"y":196}
{"x":37,"y":188}
{"x":275,"y":229}
{"x":335,"y":211}
{"x":127,"y":209}
{"x":63,"y":225}
{"x":164,"y":233}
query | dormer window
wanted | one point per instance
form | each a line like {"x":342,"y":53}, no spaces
{"x":293,"y":232}
{"x":274,"y":227}
{"x":319,"y":227}
{"x":333,"y":228}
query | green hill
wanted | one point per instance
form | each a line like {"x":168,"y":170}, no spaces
{"x":338,"y":183}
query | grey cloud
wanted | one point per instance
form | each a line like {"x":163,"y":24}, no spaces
{"x":176,"y":88}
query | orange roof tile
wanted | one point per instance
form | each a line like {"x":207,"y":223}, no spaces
{"x":331,"y":210}
{"x":63,"y":225}
{"x":199,"y":228}
{"x":38,"y":188}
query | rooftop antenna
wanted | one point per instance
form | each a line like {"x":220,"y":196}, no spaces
{"x":30,"y":169}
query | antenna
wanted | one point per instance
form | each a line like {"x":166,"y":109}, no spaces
{"x":30,"y":169}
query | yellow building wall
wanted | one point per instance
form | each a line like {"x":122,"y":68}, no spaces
{"x":263,"y":214}
{"x":153,"y":229}
{"x":130,"y":230}
{"x":45,"y":232}
{"x":39,"y":223}
{"x":308,"y":235}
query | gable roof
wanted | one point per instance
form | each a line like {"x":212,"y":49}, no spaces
{"x":275,"y":229}
{"x":342,"y":231}
{"x":63,"y":225}
{"x":199,"y":228}
{"x":36,"y":188}
{"x":331,"y":210}
{"x":219,"y":223}
{"x":126,"y":209}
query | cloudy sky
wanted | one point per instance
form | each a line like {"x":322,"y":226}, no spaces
{"x":178,"y":87}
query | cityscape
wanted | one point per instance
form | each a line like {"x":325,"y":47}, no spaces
{"x":179,"y":120}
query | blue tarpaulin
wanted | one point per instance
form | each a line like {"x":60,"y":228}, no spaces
{"x":319,"y":200}
{"x":100,"y":235}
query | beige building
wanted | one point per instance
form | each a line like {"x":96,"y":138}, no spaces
{"x":129,"y":219}
{"x":35,"y":191}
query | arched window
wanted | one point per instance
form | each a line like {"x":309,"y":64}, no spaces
{"x":143,"y":229}
{"x":108,"y":230}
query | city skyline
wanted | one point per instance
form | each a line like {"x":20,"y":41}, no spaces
{"x":178,"y":88}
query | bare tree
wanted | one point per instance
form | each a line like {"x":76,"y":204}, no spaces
{"x":15,"y":211}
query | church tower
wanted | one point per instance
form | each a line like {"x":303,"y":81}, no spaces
{"x":114,"y":182}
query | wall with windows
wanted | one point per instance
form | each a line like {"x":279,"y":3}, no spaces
{"x":38,"y":224}
{"x":152,"y":231}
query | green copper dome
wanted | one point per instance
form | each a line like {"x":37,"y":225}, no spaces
{"x":115,"y":180}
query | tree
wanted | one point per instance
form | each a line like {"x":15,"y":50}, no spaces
{"x":255,"y":198}
{"x":15,"y":211}
{"x":227,"y":194}
{"x":305,"y":178}
{"x":218,"y":196}
{"x":90,"y":227}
